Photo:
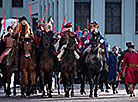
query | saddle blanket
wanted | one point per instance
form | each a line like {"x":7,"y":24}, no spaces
{"x":5,"y":53}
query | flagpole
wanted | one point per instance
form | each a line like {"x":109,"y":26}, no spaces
{"x":44,"y":14}
{"x":55,"y":22}
{"x":63,"y":23}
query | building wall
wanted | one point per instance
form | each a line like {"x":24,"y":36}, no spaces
{"x":67,"y":6}
{"x":11,"y":11}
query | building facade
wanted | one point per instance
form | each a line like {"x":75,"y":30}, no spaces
{"x":13,"y":6}
{"x":118,"y":19}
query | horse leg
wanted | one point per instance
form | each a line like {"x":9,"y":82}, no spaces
{"x":72,"y":87}
{"x":49,"y":85}
{"x":91,"y":83}
{"x":67,"y":87}
{"x":82,"y":84}
{"x":96,"y":85}
{"x":42,"y":83}
{"x":8,"y":91}
{"x":15,"y":81}
{"x":33,"y":79}
{"x":58,"y":81}
{"x":22,"y":84}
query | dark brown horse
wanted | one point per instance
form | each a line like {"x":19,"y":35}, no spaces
{"x":27,"y":67}
{"x":46,"y":65}
{"x":94,"y":66}
{"x":68,"y":64}
{"x":10,"y":66}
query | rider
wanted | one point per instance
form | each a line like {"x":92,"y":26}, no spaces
{"x":68,"y":28}
{"x":24,"y":29}
{"x":93,"y":36}
{"x":9,"y":40}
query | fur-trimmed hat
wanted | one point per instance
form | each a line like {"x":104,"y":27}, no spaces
{"x":22,"y":18}
{"x":9,"y":28}
{"x":94,"y":24}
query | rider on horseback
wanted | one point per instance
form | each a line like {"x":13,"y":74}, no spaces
{"x":94,"y":36}
{"x":24,"y":29}
{"x":9,"y":40}
{"x":68,"y":28}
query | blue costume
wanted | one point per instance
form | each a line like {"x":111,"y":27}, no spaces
{"x":112,"y":63}
{"x":90,"y":38}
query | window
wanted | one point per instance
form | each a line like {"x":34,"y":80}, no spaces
{"x":17,"y":3}
{"x":136,"y":16}
{"x":113,"y":17}
{"x":0,"y":3}
{"x":82,"y":13}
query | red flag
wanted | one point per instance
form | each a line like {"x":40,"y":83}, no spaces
{"x":11,"y":22}
{"x":87,"y":29}
{"x":5,"y":19}
{"x":44,"y":14}
{"x":30,"y":14}
{"x":55,"y":22}
{"x":16,"y":22}
{"x":79,"y":31}
{"x":63,"y":23}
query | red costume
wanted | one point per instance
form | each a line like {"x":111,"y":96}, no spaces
{"x":130,"y":66}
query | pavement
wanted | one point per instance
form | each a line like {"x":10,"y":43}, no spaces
{"x":102,"y":96}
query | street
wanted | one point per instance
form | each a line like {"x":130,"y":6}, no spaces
{"x":102,"y":96}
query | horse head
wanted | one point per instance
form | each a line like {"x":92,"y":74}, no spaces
{"x":46,"y":41}
{"x":28,"y":43}
{"x":95,"y":46}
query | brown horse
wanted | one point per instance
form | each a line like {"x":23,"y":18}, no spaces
{"x":46,"y":65}
{"x":68,"y":65}
{"x":10,"y":65}
{"x":27,"y":67}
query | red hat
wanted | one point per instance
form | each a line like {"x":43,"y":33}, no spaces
{"x":68,"y":25}
{"x":131,"y":46}
{"x":115,"y":47}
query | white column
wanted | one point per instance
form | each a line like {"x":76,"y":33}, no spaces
{"x":129,"y":15}
{"x":60,"y":15}
{"x":98,"y":13}
{"x":72,"y":14}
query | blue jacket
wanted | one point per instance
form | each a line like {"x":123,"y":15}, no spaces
{"x":112,"y":63}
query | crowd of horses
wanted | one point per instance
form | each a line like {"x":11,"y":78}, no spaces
{"x":26,"y":59}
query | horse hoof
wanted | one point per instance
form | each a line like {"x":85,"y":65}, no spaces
{"x":43,"y":96}
{"x":49,"y":96}
{"x":90,"y":96}
{"x":23,"y":96}
{"x":72,"y":94}
{"x":66,"y":95}
{"x":7,"y":95}
{"x":95,"y":95}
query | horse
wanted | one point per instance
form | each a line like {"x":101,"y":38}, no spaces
{"x":94,"y":65}
{"x":81,"y":74}
{"x":27,"y":67}
{"x":46,"y":65}
{"x":9,"y":66}
{"x":68,"y":64}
